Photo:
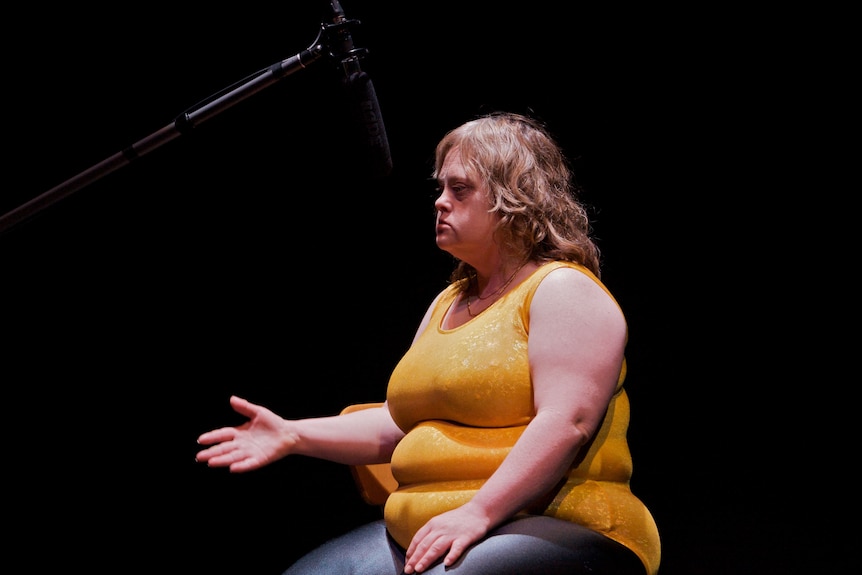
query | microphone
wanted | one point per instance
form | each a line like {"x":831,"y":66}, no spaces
{"x":361,"y":99}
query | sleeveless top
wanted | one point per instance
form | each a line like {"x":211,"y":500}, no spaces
{"x":464,"y":395}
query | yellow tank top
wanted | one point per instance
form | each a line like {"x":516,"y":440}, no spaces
{"x":463,"y":396}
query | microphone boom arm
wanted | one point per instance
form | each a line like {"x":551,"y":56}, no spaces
{"x":209,"y":108}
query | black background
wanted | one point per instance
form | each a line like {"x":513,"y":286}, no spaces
{"x":253,"y":257}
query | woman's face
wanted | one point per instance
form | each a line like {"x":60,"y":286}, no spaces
{"x":464,"y":225}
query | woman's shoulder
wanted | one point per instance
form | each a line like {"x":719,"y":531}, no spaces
{"x":547,"y":267}
{"x":562,"y":279}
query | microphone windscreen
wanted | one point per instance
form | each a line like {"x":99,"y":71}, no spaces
{"x":364,"y":111}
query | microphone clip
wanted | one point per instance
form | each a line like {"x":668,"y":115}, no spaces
{"x":338,"y":41}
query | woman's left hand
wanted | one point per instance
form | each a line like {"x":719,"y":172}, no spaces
{"x":447,"y":535}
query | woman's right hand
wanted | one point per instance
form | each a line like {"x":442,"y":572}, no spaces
{"x":252,"y":445}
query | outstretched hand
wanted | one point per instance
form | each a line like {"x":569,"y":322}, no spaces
{"x":257,"y":442}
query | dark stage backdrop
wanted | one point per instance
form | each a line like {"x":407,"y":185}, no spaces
{"x":252,"y":257}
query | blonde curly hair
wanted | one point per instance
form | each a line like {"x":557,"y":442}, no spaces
{"x":530,"y":187}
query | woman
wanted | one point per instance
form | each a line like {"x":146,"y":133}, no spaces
{"x":505,"y":422}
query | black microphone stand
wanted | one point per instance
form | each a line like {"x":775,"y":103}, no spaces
{"x":199,"y":113}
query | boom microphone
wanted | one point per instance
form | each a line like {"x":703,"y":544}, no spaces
{"x":360,"y":96}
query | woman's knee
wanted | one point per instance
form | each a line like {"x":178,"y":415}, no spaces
{"x":365,"y":550}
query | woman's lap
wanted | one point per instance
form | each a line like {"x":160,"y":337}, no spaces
{"x":535,"y":544}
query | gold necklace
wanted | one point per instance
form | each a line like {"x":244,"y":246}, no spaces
{"x":498,"y":292}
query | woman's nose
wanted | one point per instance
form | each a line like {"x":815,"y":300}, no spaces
{"x":441,"y":202}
